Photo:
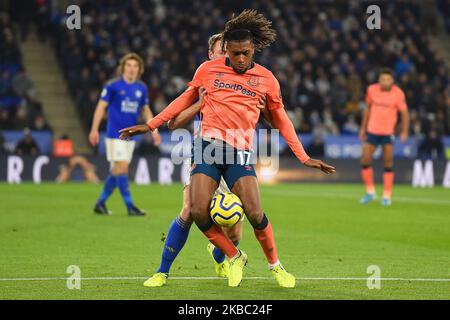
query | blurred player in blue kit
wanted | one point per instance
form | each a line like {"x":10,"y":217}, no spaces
{"x":125,"y":98}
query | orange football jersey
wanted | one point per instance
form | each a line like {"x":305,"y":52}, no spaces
{"x":232,"y":100}
{"x":230,"y":110}
{"x":384,"y":107}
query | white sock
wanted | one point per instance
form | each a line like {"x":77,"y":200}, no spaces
{"x":272,"y":266}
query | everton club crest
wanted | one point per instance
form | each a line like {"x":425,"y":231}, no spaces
{"x":253,"y":81}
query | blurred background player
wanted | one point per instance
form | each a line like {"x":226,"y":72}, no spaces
{"x":125,"y":97}
{"x":384,"y":101}
{"x":180,"y":227}
{"x":229,"y":110}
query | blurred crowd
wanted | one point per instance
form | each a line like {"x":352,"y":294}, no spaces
{"x":20,"y":107}
{"x":324,"y":57}
{"x":444,"y":9}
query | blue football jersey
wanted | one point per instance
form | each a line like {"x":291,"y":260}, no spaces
{"x":125,"y":102}
{"x":197,"y":124}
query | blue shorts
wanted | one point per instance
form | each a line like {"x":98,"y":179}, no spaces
{"x":379,"y":140}
{"x":216,"y":159}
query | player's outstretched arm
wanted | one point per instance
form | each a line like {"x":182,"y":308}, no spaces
{"x":127,"y":133}
{"x":184,"y":101}
{"x":188,"y":114}
{"x":184,"y":117}
{"x":148,"y":115}
{"x":319,"y":164}
{"x":284,"y":124}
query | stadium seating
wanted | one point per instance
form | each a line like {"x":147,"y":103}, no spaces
{"x":324,"y":57}
{"x":20,"y":107}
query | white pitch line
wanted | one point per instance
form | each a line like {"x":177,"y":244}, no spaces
{"x":217,"y":278}
{"x":356,"y":197}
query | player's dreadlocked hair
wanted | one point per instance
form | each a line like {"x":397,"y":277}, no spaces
{"x":249,"y":24}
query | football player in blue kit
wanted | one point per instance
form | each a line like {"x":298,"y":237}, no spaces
{"x":125,"y":98}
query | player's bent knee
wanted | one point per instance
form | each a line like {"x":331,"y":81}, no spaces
{"x":199,"y":214}
{"x":253,"y":210}
{"x":261,"y":223}
{"x":185,"y":213}
{"x":254,"y":217}
{"x":388,"y":162}
{"x":366,"y":158}
{"x":186,"y":216}
{"x":366,"y":161}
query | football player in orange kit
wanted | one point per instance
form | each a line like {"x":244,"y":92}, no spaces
{"x":384,"y":101}
{"x":179,"y":229}
{"x":230,"y":112}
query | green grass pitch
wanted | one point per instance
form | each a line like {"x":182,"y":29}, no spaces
{"x":324,"y":237}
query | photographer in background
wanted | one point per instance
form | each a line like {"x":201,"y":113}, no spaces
{"x":27,"y":146}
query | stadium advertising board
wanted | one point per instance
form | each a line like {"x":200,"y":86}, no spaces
{"x":161,"y":170}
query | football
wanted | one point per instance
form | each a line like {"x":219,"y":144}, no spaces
{"x":226,"y":209}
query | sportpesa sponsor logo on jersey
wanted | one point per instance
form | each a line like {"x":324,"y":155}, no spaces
{"x":233,"y":86}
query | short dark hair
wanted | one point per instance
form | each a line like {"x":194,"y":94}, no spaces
{"x":388,"y":71}
{"x":249,"y":25}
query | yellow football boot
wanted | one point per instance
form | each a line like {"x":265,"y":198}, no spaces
{"x":157,"y":280}
{"x":237,"y":269}
{"x":221,"y":268}
{"x":284,"y":278}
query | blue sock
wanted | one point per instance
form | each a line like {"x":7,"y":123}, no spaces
{"x":219,"y":256}
{"x":176,"y":238}
{"x":122,"y":183}
{"x":108,"y":188}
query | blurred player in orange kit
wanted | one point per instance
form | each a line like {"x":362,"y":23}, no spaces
{"x":229,"y":115}
{"x":384,"y":101}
